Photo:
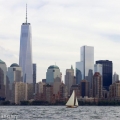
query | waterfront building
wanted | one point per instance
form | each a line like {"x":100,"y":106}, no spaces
{"x":38,"y":95}
{"x":63,"y":92}
{"x":114,"y":91}
{"x":56,"y":87}
{"x":29,"y":93}
{"x":84,"y":88}
{"x":53,"y":74}
{"x":25,"y":56}
{"x":8,"y":91}
{"x":48,"y":93}
{"x":2,"y":86}
{"x":14,"y":74}
{"x":4,"y":68}
{"x":69,"y":78}
{"x":88,"y":99}
{"x":105,"y":93}
{"x":18,"y":92}
{"x":97,"y":85}
{"x":34,"y":76}
{"x":21,"y":92}
{"x":39,"y":87}
{"x":107,"y":68}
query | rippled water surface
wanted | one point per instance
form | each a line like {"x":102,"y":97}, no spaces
{"x":59,"y":113}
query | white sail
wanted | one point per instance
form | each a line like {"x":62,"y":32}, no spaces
{"x":76,"y":102}
{"x":71,"y":100}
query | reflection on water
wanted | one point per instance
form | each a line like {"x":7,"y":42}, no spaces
{"x":59,"y":113}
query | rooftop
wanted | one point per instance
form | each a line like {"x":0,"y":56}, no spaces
{"x":2,"y":62}
{"x":53,"y":67}
{"x":14,"y":65}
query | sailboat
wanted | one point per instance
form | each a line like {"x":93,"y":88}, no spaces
{"x":72,"y":102}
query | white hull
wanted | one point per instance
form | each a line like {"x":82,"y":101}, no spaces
{"x":71,"y":106}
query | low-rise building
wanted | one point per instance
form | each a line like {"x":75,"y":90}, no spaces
{"x":29,"y":92}
{"x":18,"y":92}
{"x":48,"y":93}
{"x":63,"y":92}
{"x":114,"y":91}
{"x":39,"y":87}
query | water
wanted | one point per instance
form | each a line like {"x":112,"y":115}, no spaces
{"x":59,"y":113}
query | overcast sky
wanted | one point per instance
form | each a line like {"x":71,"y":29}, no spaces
{"x":59,"y":29}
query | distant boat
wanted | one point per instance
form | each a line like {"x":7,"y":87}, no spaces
{"x":72,"y":102}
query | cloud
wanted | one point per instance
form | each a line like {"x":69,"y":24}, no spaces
{"x":59,"y":29}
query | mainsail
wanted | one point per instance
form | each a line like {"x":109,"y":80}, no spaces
{"x":71,"y":100}
{"x":76,"y":102}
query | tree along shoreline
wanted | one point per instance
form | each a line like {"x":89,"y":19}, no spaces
{"x":60,"y":103}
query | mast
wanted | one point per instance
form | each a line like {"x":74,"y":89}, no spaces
{"x":26,"y":13}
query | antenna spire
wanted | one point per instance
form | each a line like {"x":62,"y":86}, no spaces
{"x":26,"y":13}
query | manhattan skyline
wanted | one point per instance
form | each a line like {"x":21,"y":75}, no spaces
{"x":59,"y":29}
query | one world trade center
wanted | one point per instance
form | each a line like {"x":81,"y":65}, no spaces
{"x":25,"y":55}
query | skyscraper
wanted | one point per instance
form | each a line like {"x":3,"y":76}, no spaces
{"x":84,"y":88}
{"x":14,"y":74}
{"x":86,"y":65}
{"x":34,"y":76}
{"x":53,"y":74}
{"x":69,"y":78}
{"x":106,"y":72}
{"x":25,"y":56}
{"x":97,"y":85}
{"x":4,"y":68}
{"x":2,"y":86}
{"x":87,"y":59}
{"x":78,"y":73}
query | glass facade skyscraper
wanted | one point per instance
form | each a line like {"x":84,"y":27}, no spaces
{"x":25,"y":56}
{"x":107,"y":68}
{"x":53,"y":74}
{"x":84,"y":68}
{"x":87,"y":59}
{"x":78,"y":73}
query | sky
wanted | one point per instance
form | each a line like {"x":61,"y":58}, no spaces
{"x":59,"y":29}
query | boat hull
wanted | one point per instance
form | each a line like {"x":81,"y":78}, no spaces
{"x":71,"y":106}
